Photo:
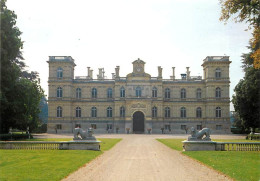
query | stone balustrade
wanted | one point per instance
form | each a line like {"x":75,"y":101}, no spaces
{"x":238,"y":146}
{"x":50,"y":145}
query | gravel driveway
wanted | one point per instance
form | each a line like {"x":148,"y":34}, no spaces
{"x":142,"y":157}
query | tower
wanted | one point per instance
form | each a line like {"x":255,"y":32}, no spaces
{"x":61,"y":75}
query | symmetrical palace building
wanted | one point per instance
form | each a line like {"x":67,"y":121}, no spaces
{"x":139,"y":103}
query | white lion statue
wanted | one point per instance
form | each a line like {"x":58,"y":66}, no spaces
{"x":198,"y":135}
{"x":85,"y":135}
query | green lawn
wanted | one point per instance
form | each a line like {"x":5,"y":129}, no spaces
{"x":46,"y":164}
{"x":240,"y":165}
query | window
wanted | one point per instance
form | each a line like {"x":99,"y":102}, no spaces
{"x":218,"y":127}
{"x":109,"y":112}
{"x":198,"y":112}
{"x":93,"y":112}
{"x":58,"y":126}
{"x":199,"y":127}
{"x":167,"y":93}
{"x":167,"y":112}
{"x":59,"y":92}
{"x":122,"y":112}
{"x":218,"y":73}
{"x":218,"y":112}
{"x":138,"y":92}
{"x":59,"y":112}
{"x":77,"y":126}
{"x":154,"y":112}
{"x":109,"y":126}
{"x":78,"y":93}
{"x":78,"y":112}
{"x":218,"y":92}
{"x":59,"y":72}
{"x":183,"y":127}
{"x":167,"y":127}
{"x":122,"y":92}
{"x":183,"y":93}
{"x":154,"y":92}
{"x":198,"y":93}
{"x":94,"y":93}
{"x":93,"y":126}
{"x":109,"y":93}
{"x":183,"y":112}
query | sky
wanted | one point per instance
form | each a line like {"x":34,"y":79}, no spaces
{"x":106,"y":34}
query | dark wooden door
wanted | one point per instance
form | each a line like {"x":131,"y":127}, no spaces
{"x":138,"y":122}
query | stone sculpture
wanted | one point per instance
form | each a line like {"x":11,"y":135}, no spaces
{"x":198,"y":135}
{"x":85,"y":135}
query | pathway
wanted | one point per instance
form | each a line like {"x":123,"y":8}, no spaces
{"x":142,"y":157}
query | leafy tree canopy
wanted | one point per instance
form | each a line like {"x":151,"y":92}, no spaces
{"x":246,"y":99}
{"x":20,"y":93}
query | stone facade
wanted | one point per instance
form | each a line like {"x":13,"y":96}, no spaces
{"x":139,"y":103}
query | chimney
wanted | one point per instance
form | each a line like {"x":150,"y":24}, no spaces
{"x":159,"y":72}
{"x":173,"y":73}
{"x":188,"y":72}
{"x":117,"y":71}
{"x":88,"y":71}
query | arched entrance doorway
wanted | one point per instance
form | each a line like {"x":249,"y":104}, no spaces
{"x":138,"y":122}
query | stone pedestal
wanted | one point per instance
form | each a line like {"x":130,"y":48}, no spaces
{"x":80,"y":145}
{"x":199,"y":145}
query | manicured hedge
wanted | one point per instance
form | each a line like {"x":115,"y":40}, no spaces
{"x":253,"y":137}
{"x":6,"y":137}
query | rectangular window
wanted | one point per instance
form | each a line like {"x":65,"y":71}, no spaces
{"x":93,"y":126}
{"x":218,"y":127}
{"x":77,"y":126}
{"x":183,"y":127}
{"x":199,"y":127}
{"x":58,"y":126}
{"x":167,"y":127}
{"x":109,"y":126}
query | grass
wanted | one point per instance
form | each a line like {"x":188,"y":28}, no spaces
{"x":239,"y":165}
{"x":46,"y":164}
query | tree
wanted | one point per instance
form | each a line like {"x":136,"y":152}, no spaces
{"x":246,"y":99}
{"x":19,"y":94}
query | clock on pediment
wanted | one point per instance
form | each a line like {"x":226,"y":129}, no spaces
{"x":138,"y":66}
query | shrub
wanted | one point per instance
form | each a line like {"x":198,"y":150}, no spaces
{"x":6,"y":137}
{"x":253,"y":137}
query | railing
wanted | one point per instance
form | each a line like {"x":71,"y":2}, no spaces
{"x":29,"y":145}
{"x":238,"y":146}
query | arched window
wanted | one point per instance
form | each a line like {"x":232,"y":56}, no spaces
{"x":167,"y":93}
{"x":154,"y":92}
{"x":59,"y":112}
{"x":218,"y":73}
{"x":183,"y":112}
{"x":183,"y":93}
{"x":122,"y":92}
{"x":154,"y":112}
{"x":198,"y":93}
{"x":59,"y":72}
{"x":218,"y":92}
{"x":122,"y":112}
{"x":93,"y":112}
{"x":109,"y":112}
{"x":218,"y":112}
{"x":198,"y":112}
{"x":59,"y":92}
{"x":109,"y":93}
{"x":78,"y":93}
{"x":138,"y":92}
{"x":94,"y":93}
{"x":78,"y":112}
{"x":167,"y":112}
